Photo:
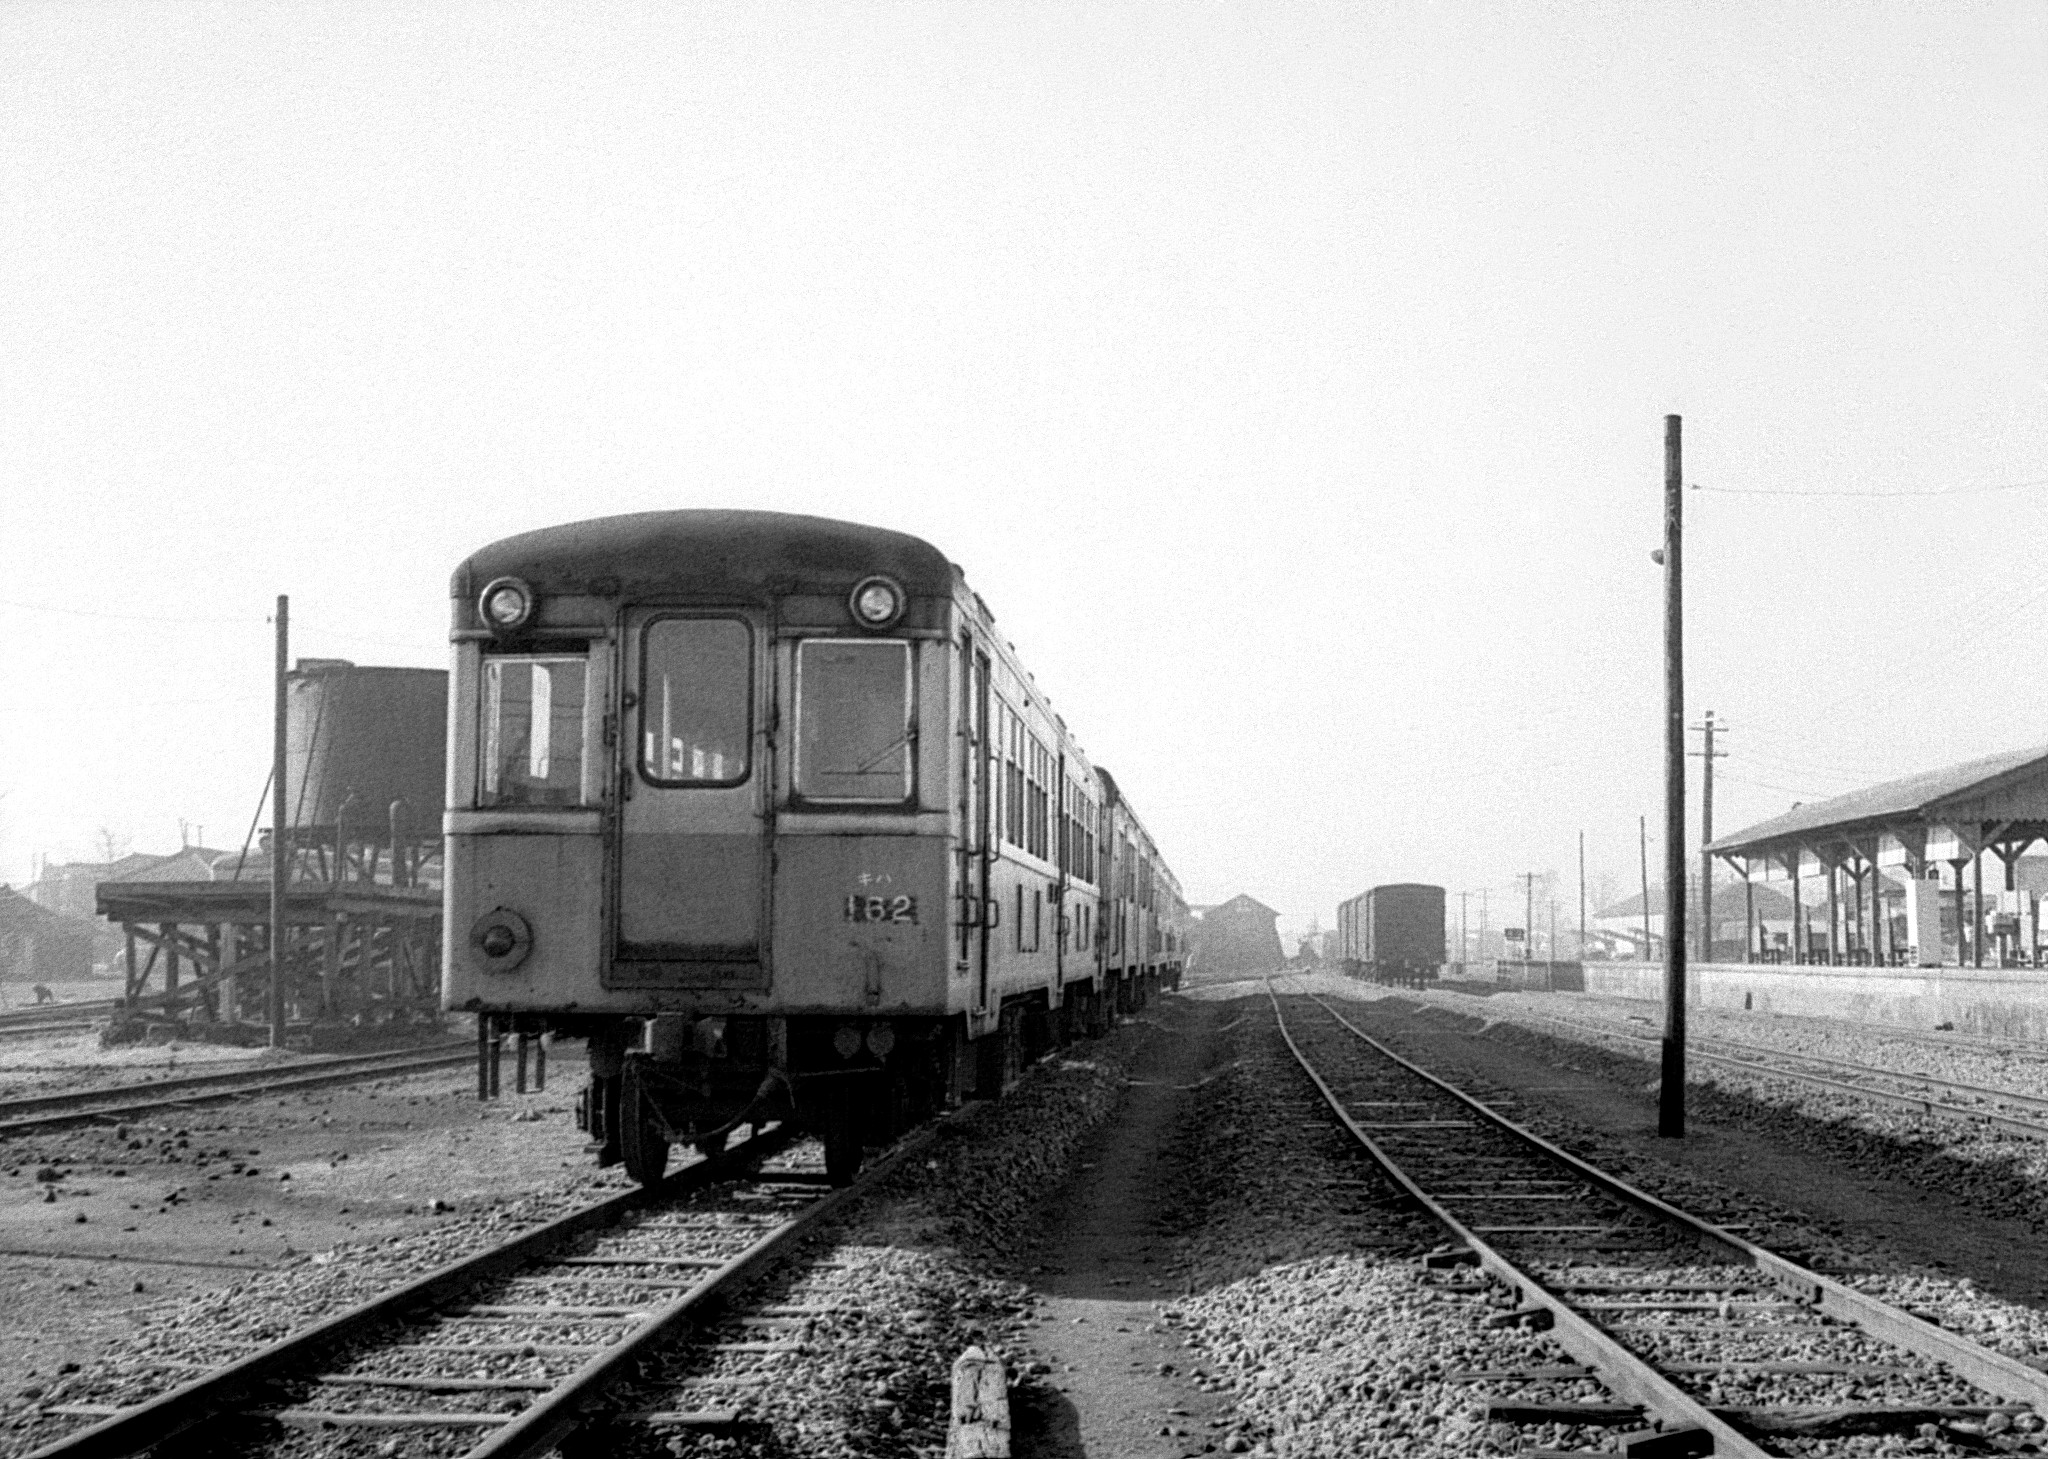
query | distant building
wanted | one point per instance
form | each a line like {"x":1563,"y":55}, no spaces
{"x":40,"y":946}
{"x":1238,"y":936}
{"x":69,"y":888}
{"x":1621,"y":925}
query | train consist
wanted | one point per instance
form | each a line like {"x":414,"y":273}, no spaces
{"x":763,"y":808}
{"x":1393,"y":934}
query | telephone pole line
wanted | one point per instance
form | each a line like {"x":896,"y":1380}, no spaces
{"x":1582,"y":896}
{"x":1671,"y":1086}
{"x":1710,"y":755}
{"x":1643,"y":845}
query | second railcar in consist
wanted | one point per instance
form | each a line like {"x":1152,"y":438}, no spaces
{"x":763,"y":808}
{"x":1393,"y":934}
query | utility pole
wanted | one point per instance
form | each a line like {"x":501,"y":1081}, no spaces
{"x":1482,"y":924}
{"x":1528,"y":915}
{"x":1671,"y":1090}
{"x":1464,"y":947}
{"x":280,"y":854}
{"x":1709,"y":755}
{"x":1582,"y":896}
{"x":1643,"y":845}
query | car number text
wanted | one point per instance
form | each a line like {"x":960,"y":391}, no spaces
{"x":881,"y":909}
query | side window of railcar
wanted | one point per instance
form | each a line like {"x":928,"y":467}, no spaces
{"x":854,"y":711}
{"x":1015,"y":752}
{"x":696,"y":701}
{"x":532,"y":730}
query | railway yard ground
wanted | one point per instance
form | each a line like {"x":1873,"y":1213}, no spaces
{"x":1164,"y":1232}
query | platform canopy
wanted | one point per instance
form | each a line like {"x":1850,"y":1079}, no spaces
{"x":1998,"y":803}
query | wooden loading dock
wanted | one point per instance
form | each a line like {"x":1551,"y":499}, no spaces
{"x":355,"y":951}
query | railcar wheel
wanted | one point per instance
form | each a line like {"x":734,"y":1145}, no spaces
{"x":643,"y":1147}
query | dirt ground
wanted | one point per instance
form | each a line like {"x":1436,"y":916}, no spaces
{"x":1121,"y":1378}
{"x":99,"y":1224}
{"x":1120,"y":1381}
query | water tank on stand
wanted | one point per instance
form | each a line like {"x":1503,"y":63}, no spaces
{"x":363,"y":738}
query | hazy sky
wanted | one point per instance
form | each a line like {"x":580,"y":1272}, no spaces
{"x":1290,"y":379}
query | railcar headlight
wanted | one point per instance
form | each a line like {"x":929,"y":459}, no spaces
{"x":506,"y":605}
{"x":877,"y":602}
{"x":501,"y":939}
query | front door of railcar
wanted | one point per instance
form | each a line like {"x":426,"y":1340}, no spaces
{"x":694,"y":770}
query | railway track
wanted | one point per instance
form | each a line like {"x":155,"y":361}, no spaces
{"x":51,"y":1017}
{"x":1898,"y":1087}
{"x":535,"y":1342}
{"x":1703,"y":1342}
{"x":79,"y":1107}
{"x":43,"y":1028}
{"x":1933,"y":1038}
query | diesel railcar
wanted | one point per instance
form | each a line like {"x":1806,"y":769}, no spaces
{"x":1393,"y":933}
{"x":764,"y":809}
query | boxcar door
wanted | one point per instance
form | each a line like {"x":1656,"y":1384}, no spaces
{"x":693,"y":843}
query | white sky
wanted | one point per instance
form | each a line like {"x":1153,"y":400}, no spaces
{"x":1288,"y":378}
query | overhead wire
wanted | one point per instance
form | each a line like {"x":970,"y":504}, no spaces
{"x":1897,"y":494}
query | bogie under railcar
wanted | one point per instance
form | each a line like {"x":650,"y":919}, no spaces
{"x":762,"y":808}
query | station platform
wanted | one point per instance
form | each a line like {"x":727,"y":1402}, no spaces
{"x":1991,"y":1002}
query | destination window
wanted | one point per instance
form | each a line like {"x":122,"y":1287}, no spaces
{"x":696,"y":701}
{"x":855,"y":729}
{"x":531,"y":735}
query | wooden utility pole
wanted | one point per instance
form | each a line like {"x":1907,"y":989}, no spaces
{"x":1643,"y":845}
{"x":1464,"y":946}
{"x":1582,"y":896}
{"x":1709,"y":755}
{"x":1671,"y":1091}
{"x":1528,"y":916}
{"x":280,"y":855}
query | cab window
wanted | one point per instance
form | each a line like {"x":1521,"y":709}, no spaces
{"x":854,"y":720}
{"x":696,"y":701}
{"x":532,"y":730}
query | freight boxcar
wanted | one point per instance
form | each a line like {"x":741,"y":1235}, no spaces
{"x":1393,"y":933}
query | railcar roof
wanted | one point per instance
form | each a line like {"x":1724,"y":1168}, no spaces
{"x":707,"y":553}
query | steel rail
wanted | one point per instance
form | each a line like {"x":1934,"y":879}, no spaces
{"x":1621,"y":1371}
{"x":43,"y":1012}
{"x":52,"y":1111}
{"x":573,"y":1404}
{"x":224,"y":1390}
{"x":2003,"y":1377}
{"x":24,"y":1030}
{"x":1883,"y":1096}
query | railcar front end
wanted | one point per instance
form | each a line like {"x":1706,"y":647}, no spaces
{"x":699,"y":815}
{"x":761,"y":808}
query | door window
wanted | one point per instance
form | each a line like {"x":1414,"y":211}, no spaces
{"x":532,"y":730}
{"x":696,"y":701}
{"x":854,"y":725}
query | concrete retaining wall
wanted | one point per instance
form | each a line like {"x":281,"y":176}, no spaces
{"x":2010,"y":1003}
